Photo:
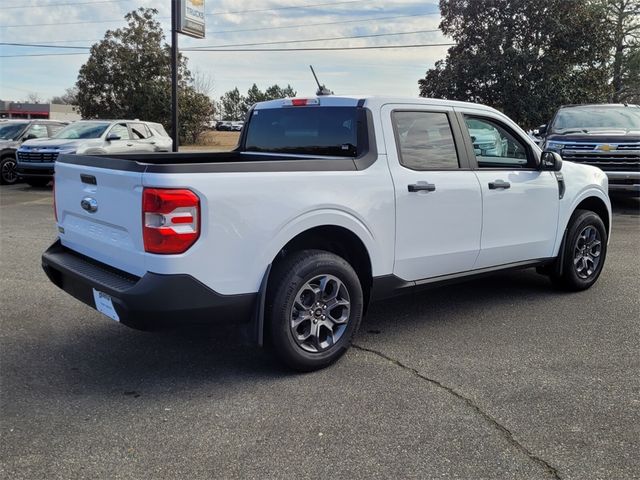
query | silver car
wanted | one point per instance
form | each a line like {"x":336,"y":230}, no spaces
{"x":36,"y":158}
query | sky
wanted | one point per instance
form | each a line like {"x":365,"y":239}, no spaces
{"x":372,"y":72}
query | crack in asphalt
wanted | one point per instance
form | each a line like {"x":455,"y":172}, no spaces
{"x":506,"y":433}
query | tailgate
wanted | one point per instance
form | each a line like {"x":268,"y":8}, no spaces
{"x":100,"y":212}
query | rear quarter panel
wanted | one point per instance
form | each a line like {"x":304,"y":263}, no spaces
{"x":247,"y":217}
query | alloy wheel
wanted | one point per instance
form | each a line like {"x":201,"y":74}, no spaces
{"x":587,"y":250}
{"x":320,"y":313}
{"x":9,"y":174}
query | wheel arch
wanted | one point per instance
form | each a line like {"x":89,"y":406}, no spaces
{"x":338,"y":240}
{"x":8,"y":154}
{"x":598,"y":206}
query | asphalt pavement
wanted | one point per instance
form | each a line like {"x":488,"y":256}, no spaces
{"x":497,"y":378}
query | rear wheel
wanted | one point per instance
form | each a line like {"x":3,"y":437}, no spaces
{"x":8,"y":173}
{"x":315,"y":308}
{"x":585,"y":250}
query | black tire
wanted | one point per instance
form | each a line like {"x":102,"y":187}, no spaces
{"x":577,"y":275}
{"x":290,"y":279}
{"x":8,"y":173}
{"x":38,"y":182}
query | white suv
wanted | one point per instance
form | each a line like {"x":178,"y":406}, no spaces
{"x":36,"y":158}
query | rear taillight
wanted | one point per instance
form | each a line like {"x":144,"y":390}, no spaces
{"x":170,"y":220}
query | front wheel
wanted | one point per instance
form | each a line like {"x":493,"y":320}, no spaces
{"x":8,"y":173}
{"x":315,"y":307}
{"x":585,"y":250}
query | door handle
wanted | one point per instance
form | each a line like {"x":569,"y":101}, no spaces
{"x":422,"y":187}
{"x":499,"y":184}
{"x":129,"y":144}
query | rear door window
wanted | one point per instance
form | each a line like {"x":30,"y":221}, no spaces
{"x":139,"y":131}
{"x":425,"y":140}
{"x":311,"y":130}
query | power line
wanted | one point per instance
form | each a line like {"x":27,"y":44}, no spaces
{"x":321,"y":49}
{"x":195,"y":49}
{"x":305,"y":49}
{"x":339,"y":22}
{"x":285,"y":27}
{"x":375,"y":35}
{"x":43,"y":54}
{"x":290,"y":7}
{"x":40,"y":45}
{"x":64,"y":4}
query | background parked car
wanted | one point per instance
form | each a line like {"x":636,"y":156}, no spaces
{"x":224,"y":126}
{"x":36,"y":158}
{"x":12,"y":134}
{"x":606,"y":136}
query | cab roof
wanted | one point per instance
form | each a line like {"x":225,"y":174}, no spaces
{"x":371,"y":101}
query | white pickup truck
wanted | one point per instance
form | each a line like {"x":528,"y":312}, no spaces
{"x":327,"y":203}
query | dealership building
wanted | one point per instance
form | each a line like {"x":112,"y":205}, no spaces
{"x":50,"y":111}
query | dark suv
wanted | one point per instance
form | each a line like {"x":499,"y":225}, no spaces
{"x":606,"y":136}
{"x":12,"y":134}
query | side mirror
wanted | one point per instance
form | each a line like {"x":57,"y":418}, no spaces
{"x":541,"y":131}
{"x":31,"y":136}
{"x":113,"y":136}
{"x":550,"y":161}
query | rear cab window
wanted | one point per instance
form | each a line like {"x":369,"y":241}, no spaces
{"x":315,"y":130}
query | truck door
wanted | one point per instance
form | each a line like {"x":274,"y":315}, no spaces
{"x":520,"y":203}
{"x":121,"y":145}
{"x":438,"y":200}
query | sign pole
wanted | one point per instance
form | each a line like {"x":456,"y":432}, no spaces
{"x":175,"y":127}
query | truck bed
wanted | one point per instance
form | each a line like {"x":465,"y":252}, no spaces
{"x":233,"y":161}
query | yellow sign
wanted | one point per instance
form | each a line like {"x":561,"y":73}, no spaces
{"x":192,"y":18}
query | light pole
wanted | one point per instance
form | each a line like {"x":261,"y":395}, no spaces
{"x":175,"y":127}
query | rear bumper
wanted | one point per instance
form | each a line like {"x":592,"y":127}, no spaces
{"x":627,"y":183}
{"x":147,"y":302}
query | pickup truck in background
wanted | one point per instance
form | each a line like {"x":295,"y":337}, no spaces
{"x":606,"y":136}
{"x":327,"y":204}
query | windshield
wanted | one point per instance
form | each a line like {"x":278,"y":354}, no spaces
{"x":593,"y":118}
{"x":313,"y":130}
{"x":82,"y":130}
{"x":11,"y":131}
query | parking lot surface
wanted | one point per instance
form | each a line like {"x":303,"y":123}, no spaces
{"x":498,"y":378}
